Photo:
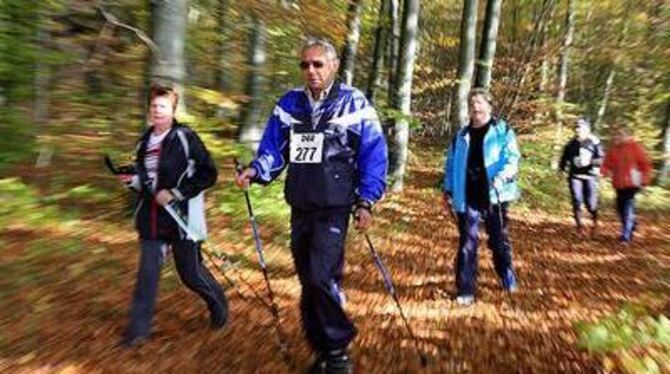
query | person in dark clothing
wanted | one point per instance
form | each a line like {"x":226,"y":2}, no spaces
{"x":329,"y":137}
{"x":173,"y":167}
{"x":581,"y":158}
{"x":479,"y":182}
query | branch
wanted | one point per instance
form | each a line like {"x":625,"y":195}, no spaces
{"x":110,"y":18}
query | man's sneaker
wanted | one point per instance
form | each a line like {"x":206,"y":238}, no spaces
{"x":465,"y":300}
{"x":332,"y":362}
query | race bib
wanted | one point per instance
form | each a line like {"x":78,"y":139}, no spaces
{"x":635,"y":177}
{"x":585,"y":155}
{"x":306,"y":148}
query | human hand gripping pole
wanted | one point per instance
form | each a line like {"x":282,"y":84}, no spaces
{"x":176,"y":214}
{"x":281,"y":337}
{"x":388,"y":282}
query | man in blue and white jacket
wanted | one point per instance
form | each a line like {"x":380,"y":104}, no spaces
{"x":479,"y":181}
{"x":330,"y":138}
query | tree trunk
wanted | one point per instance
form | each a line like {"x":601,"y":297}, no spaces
{"x":353,"y":37}
{"x":545,"y":64}
{"x":222,"y":71}
{"x":170,"y":19}
{"x":42,"y":72}
{"x":252,"y":128}
{"x":488,"y":43}
{"x":394,"y":47}
{"x":606,"y":94}
{"x":41,"y":86}
{"x":381,"y":37}
{"x":410,"y":30}
{"x":564,"y":62}
{"x":663,"y":178}
{"x":466,"y":61}
{"x":612,"y":73}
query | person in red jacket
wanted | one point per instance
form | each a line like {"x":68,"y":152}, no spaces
{"x":628,"y":166}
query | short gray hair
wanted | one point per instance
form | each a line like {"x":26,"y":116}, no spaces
{"x":324,"y":43}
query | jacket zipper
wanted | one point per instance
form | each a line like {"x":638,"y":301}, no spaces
{"x":154,"y":204}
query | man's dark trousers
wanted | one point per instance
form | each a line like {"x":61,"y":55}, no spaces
{"x":498,"y":242}
{"x":317,"y":245}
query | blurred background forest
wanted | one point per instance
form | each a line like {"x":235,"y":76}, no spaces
{"x":73,"y":82}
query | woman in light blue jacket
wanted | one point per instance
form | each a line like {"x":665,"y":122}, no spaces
{"x":479,"y":181}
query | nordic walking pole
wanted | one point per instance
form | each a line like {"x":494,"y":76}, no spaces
{"x":177,"y":216}
{"x":261,"y":261}
{"x":391,"y":289}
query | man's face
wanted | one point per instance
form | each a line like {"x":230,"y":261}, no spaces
{"x":582,"y":132}
{"x":480,"y":110}
{"x":318,"y":71}
{"x":161,"y":111}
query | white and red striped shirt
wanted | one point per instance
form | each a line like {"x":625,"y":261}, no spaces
{"x":153,"y":155}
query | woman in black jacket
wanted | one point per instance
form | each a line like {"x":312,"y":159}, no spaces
{"x":173,"y":168}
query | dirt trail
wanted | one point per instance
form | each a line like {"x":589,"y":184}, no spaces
{"x":69,"y":312}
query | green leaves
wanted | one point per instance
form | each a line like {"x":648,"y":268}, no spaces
{"x":638,"y":342}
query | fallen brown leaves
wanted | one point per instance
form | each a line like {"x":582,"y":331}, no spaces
{"x":69,"y":319}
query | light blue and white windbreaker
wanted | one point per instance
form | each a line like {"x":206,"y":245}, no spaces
{"x":501,"y":159}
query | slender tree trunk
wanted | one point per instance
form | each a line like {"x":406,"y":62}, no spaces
{"x":488,"y":43}
{"x":600,"y":114}
{"x":544,"y":65}
{"x":664,"y":167}
{"x":252,"y":129}
{"x":394,"y":48}
{"x":42,"y":72}
{"x":466,"y":62}
{"x":564,"y":62}
{"x":544,"y":74}
{"x":41,"y":85}
{"x":169,"y":19}
{"x":222,"y":71}
{"x":446,"y":127}
{"x":563,"y":65}
{"x":381,"y":37}
{"x":353,"y":37}
{"x":410,"y":31}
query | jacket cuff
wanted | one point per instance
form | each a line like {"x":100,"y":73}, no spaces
{"x":363,"y":204}
{"x":177,"y":194}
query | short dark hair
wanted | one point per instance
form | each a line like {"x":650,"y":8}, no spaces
{"x":170,"y":92}
{"x":484,"y":93}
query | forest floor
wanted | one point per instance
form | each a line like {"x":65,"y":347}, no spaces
{"x":66,"y":285}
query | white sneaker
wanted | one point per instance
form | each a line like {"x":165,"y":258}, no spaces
{"x":465,"y":300}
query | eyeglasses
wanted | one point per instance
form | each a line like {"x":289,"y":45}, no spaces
{"x":304,"y":65}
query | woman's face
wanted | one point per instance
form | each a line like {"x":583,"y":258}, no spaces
{"x":161,"y":112}
{"x":480,"y":110}
{"x":620,"y":136}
